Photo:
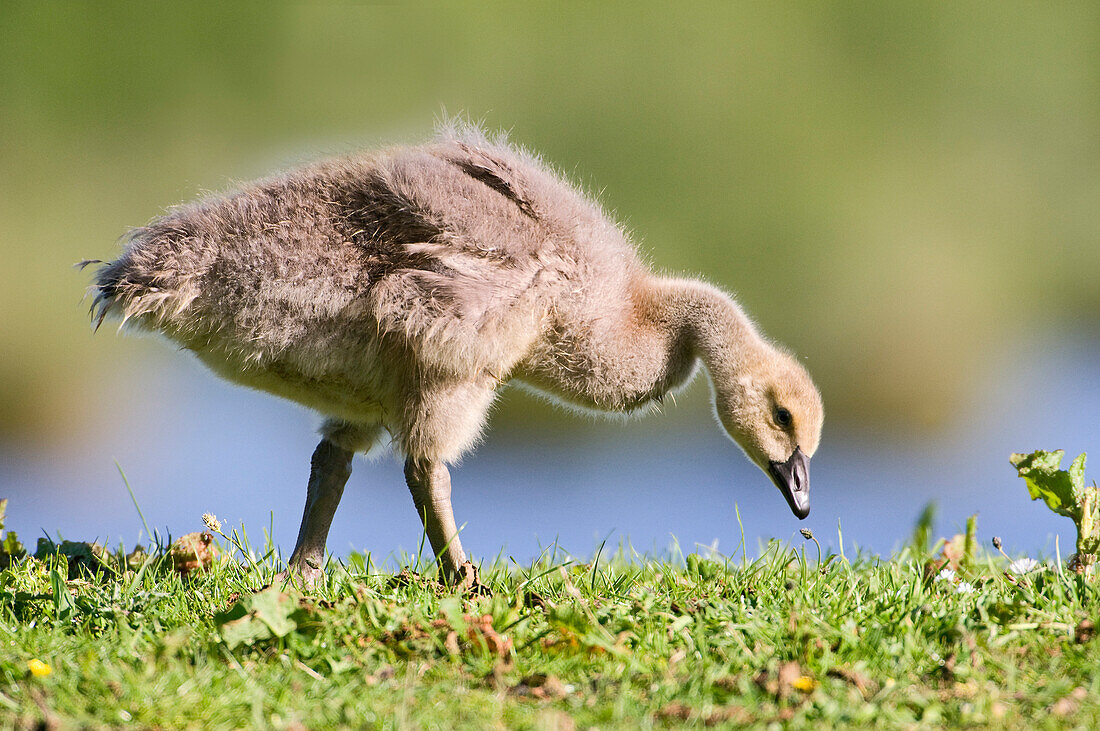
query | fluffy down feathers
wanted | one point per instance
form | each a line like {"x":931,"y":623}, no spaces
{"x":346,"y":283}
{"x":398,"y":290}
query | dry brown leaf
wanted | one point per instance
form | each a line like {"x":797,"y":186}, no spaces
{"x":1069,"y":705}
{"x":534,"y":600}
{"x":674,"y":711}
{"x":541,"y":687}
{"x":194,"y":551}
{"x":789,"y":674}
{"x":727,"y":683}
{"x":469,"y":581}
{"x":555,"y":720}
{"x":954,"y":552}
{"x":451,"y":643}
{"x":786,"y":679}
{"x":481,"y":628}
{"x":863,"y":684}
{"x":386,"y":672}
{"x":727,"y":714}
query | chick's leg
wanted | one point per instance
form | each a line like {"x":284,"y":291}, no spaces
{"x":430,"y":485}
{"x":330,"y":469}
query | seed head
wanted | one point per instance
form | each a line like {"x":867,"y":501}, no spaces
{"x":997,"y":542}
{"x":212,"y":522}
{"x":806,"y":533}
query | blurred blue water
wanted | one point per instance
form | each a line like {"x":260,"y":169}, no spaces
{"x":190,"y":444}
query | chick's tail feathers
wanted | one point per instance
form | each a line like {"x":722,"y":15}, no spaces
{"x":103,"y":289}
{"x":117,"y":289}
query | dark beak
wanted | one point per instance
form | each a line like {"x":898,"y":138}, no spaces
{"x":793,"y":480}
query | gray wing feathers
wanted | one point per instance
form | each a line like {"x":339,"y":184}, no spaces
{"x":458,"y":248}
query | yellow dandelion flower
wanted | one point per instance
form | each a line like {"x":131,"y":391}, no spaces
{"x":38,"y":668}
{"x":804,"y":683}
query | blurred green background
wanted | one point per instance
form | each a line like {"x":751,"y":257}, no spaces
{"x":894,"y":190}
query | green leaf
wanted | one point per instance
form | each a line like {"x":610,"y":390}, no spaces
{"x":1062,"y":490}
{"x":704,"y":568}
{"x":261,"y":616}
{"x":1077,"y":474}
{"x":63,"y":602}
{"x":922,"y":530}
{"x":679,"y":623}
{"x":451,"y":608}
{"x":244,"y":631}
{"x":568,"y":617}
{"x":10,"y":547}
{"x":971,"y":543}
{"x":274,"y":608}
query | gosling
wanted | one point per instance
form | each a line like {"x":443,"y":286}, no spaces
{"x":397,"y":292}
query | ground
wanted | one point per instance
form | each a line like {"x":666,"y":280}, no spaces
{"x":621,"y":641}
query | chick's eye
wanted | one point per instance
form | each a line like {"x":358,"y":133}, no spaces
{"x":782,"y":417}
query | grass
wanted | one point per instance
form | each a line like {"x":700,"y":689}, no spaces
{"x":619,"y":642}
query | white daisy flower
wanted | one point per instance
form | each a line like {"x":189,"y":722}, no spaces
{"x":1023,"y":566}
{"x":965,"y":587}
{"x":946,"y":575}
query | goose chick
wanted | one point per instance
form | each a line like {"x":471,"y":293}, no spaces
{"x":396,"y":292}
